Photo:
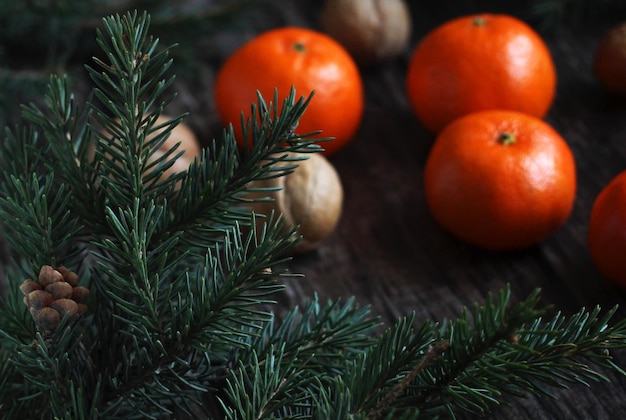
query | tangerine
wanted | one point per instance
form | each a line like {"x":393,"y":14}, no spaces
{"x":501,"y":180}
{"x":305,"y":59}
{"x":609,"y":60}
{"x":480,"y":62}
{"x":606,"y":235}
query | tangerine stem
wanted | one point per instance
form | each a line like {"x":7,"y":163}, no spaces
{"x":506,"y":139}
{"x":479,"y":21}
{"x":299,"y":46}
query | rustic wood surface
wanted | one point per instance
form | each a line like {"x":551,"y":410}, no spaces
{"x":390,"y":254}
{"x":387,"y":250}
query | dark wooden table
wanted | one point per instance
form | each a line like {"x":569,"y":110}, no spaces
{"x":387,"y":250}
{"x":389,"y":253}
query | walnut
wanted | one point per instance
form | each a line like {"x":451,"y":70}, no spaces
{"x":371,"y":30}
{"x":311,"y":197}
{"x":182,"y":134}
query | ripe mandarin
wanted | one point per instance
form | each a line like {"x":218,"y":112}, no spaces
{"x":480,"y":62}
{"x":500,"y":180}
{"x":606,"y":236}
{"x":303,"y":58}
{"x":609,"y":60}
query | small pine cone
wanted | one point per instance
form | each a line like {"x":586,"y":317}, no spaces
{"x":48,"y":275}
{"x":55,"y":295}
{"x":60,"y":290}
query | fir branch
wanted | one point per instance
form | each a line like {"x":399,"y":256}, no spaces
{"x":222,"y":177}
{"x":155,"y":344}
{"x":46,"y":370}
{"x":269,"y":388}
{"x":16,"y":324}
{"x":320,"y":334}
{"x":21,"y":154}
{"x":515,"y":353}
{"x":65,"y":132}
{"x":399,"y":388}
{"x":37,"y":215}
{"x":312,"y":345}
{"x":434,"y":371}
{"x":129,"y":86}
{"x":378,"y":376}
{"x":333,"y":401}
{"x":218,"y":320}
{"x":10,"y":387}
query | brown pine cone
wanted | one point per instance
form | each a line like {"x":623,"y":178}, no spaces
{"x":55,"y":294}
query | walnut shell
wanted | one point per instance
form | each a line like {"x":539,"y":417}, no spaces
{"x":188,"y":144}
{"x":311,"y":197}
{"x":182,"y":134}
{"x":371,"y":30}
